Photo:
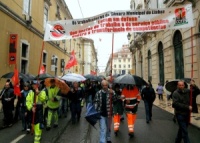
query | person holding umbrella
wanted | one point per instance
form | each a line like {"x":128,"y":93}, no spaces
{"x":118,"y":108}
{"x":53,"y":104}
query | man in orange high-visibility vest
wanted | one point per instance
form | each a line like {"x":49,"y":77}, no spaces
{"x":132,"y":97}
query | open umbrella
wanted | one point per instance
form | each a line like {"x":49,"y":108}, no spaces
{"x":10,"y":75}
{"x":130,"y":79}
{"x":171,"y":86}
{"x":43,"y":76}
{"x":64,"y":88}
{"x":91,"y":77}
{"x":30,"y":76}
{"x":92,"y":116}
{"x":71,"y":77}
{"x":139,"y":81}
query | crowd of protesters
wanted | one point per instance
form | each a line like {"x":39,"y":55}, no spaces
{"x":48,"y":104}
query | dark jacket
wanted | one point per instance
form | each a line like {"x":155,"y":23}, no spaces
{"x":148,"y":94}
{"x":8,"y":93}
{"x":118,"y":104}
{"x":76,"y":96}
{"x":181,"y":101}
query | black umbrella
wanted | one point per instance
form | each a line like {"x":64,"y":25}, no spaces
{"x":10,"y":75}
{"x":171,"y":86}
{"x":130,"y":79}
{"x":30,"y":76}
{"x":43,"y":76}
{"x":187,"y":80}
{"x":139,"y":81}
{"x":91,"y":77}
{"x":92,"y":116}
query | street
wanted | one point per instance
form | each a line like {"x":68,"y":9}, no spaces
{"x":160,"y":130}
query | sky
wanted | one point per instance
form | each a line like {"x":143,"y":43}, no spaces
{"x":94,"y":7}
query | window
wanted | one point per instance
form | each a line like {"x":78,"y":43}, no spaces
{"x":54,"y":63}
{"x":129,"y":60}
{"x":124,"y":66}
{"x":119,"y":66}
{"x":27,"y":7}
{"x":124,"y":60}
{"x":120,"y":60}
{"x":24,"y":57}
{"x":115,"y":66}
{"x":46,"y":11}
{"x":129,"y":66}
{"x":44,"y":59}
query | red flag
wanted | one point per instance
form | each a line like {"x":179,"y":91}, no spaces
{"x":15,"y":80}
{"x":72,"y":61}
{"x":42,"y":69}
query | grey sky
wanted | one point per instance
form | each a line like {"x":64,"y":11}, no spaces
{"x":95,"y":7}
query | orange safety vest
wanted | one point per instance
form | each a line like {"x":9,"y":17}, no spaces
{"x":132,"y":97}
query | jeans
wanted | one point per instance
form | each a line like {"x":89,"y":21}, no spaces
{"x":182,"y":131}
{"x":75,"y":111}
{"x":104,"y":129}
{"x":148,"y":110}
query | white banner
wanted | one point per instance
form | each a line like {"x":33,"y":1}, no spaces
{"x":121,"y":21}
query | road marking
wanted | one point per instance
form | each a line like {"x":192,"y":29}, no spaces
{"x":18,"y":138}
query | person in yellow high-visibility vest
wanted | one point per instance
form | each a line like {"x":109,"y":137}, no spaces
{"x":132,"y":98}
{"x":53,"y":103}
{"x":37,"y":108}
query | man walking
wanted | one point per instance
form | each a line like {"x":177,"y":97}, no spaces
{"x":103,"y":103}
{"x":181,"y":104}
{"x":7,"y":96}
{"x":148,"y":96}
{"x":132,"y":97}
{"x":53,"y":104}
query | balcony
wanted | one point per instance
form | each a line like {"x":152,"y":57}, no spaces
{"x":169,"y":3}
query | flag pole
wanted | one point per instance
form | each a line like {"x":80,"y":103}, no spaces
{"x":192,"y":70}
{"x":34,"y":105}
{"x":111,"y":80}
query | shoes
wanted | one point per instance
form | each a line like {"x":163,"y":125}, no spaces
{"x":48,"y":128}
{"x":131,"y":135}
{"x":28,"y":131}
{"x":109,"y":142}
{"x":116,"y":133}
{"x":55,"y":125}
{"x":122,"y":119}
{"x":147,"y":122}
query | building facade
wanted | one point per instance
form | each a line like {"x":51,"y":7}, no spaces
{"x":22,"y":28}
{"x":167,"y":55}
{"x":121,"y":62}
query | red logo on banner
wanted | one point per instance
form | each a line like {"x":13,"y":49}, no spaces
{"x":180,"y":13}
{"x":57,"y":31}
{"x":13,"y":48}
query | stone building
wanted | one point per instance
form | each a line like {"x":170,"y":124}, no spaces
{"x":22,"y":28}
{"x":167,"y":55}
{"x":121,"y":62}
